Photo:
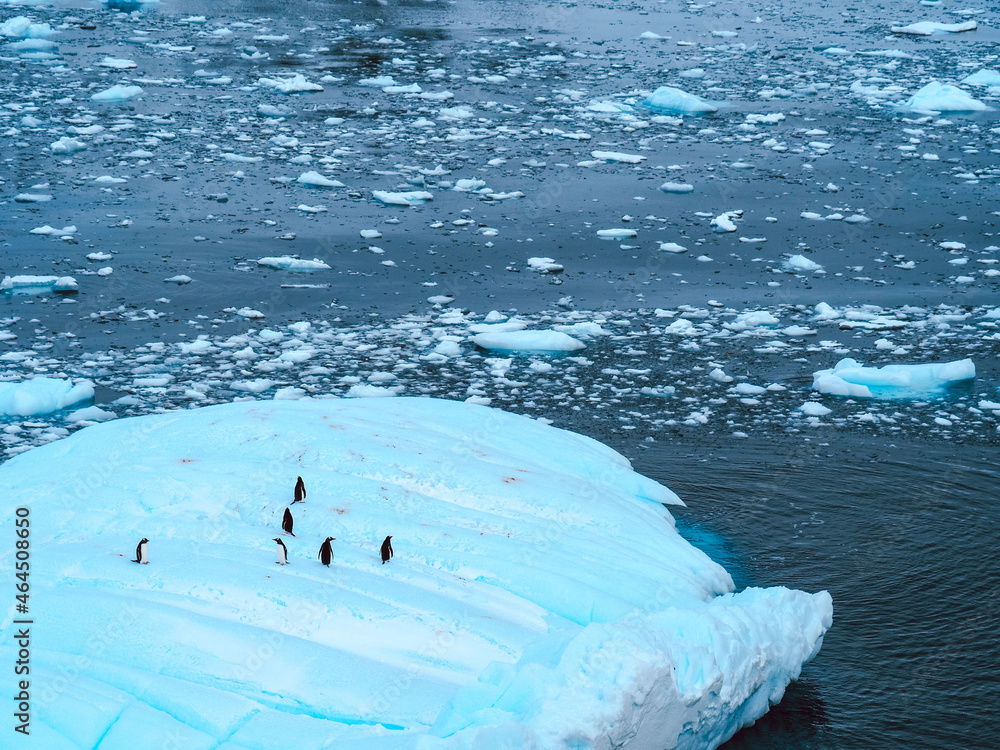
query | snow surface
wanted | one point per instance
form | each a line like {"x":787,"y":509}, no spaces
{"x":850,"y":378}
{"x":501,"y":621}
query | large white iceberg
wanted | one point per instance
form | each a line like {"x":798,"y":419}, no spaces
{"x":28,"y":398}
{"x":117,"y":93}
{"x":850,"y":378}
{"x":669,"y":99}
{"x":539,"y":597}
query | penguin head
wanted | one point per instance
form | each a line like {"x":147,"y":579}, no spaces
{"x":331,"y":539}
{"x":278,"y":540}
{"x":144,"y":540}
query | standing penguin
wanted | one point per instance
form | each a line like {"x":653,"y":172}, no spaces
{"x":282,"y":552}
{"x":386,"y":550}
{"x":326,"y":552}
{"x":300,"y":491}
{"x":286,"y":522}
{"x":142,"y":552}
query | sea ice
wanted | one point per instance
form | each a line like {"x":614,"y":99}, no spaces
{"x":410,"y":198}
{"x":42,"y":396}
{"x":293,"y":85}
{"x":669,"y":99}
{"x":315,"y":179}
{"x":117,"y":93}
{"x":528,"y":341}
{"x":926,"y":28}
{"x":502,"y":617}
{"x":939,"y":97}
{"x":288,"y":263}
{"x":801,"y":263}
{"x":850,"y":378}
{"x":35,"y":283}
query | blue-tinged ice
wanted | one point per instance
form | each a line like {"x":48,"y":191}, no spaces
{"x":676,"y":101}
{"x":939,"y":97}
{"x":28,"y":398}
{"x":539,"y":597}
{"x":850,"y":378}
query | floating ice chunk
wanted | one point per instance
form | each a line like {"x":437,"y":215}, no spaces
{"x":724,"y":222}
{"x":256,"y":385}
{"x":67,"y":145}
{"x":288,"y":263}
{"x":616,"y":234}
{"x":117,"y":64}
{"x":180,"y":279}
{"x":939,"y":97}
{"x":293,"y":85}
{"x":850,"y":378}
{"x":926,"y":28}
{"x":410,"y":198}
{"x":617,"y":156}
{"x":59,"y":232}
{"x":719,"y":376}
{"x":814,"y":409}
{"x":676,"y":187}
{"x":245,"y":312}
{"x":38,"y":283}
{"x":363,"y":390}
{"x":117,"y":93}
{"x":983,"y":78}
{"x":21,"y":27}
{"x":91,"y":414}
{"x":468,"y":185}
{"x":669,"y":99}
{"x":672,"y":247}
{"x":752,"y":319}
{"x":378,"y":82}
{"x":801,"y":263}
{"x":315,"y":179}
{"x":528,"y":341}
{"x":545,"y":265}
{"x":109,"y":180}
{"x":32,"y":198}
{"x":42,"y":395}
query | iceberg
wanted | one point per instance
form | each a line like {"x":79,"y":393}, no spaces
{"x":982,"y":77}
{"x":410,"y":198}
{"x":926,"y":28}
{"x":33,"y":284}
{"x":117,"y":93}
{"x":288,"y":263}
{"x":315,"y":179}
{"x":501,"y":620}
{"x":528,"y":341}
{"x":850,"y":378}
{"x":42,"y":395}
{"x":938,"y":97}
{"x":292,"y":85}
{"x":676,"y":101}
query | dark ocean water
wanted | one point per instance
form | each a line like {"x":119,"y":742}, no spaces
{"x":903,"y":537}
{"x":900,"y":529}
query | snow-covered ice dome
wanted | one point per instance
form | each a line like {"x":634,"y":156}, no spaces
{"x":540,"y":595}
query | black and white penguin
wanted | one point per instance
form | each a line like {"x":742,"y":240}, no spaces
{"x":286,"y":522}
{"x":386,"y":550}
{"x":326,"y":552}
{"x":282,"y":552}
{"x":142,"y":552}
{"x":300,"y":491}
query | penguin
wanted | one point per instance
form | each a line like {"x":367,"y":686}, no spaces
{"x":300,"y":491}
{"x":386,"y":550}
{"x":282,"y":552}
{"x":286,"y":522}
{"x":326,"y":552}
{"x":142,"y":552}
